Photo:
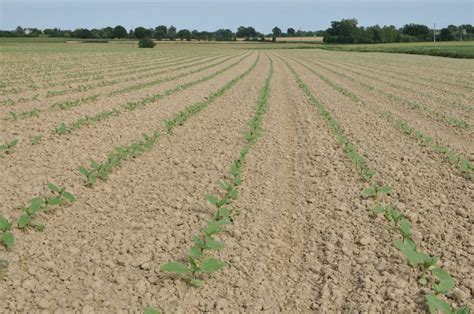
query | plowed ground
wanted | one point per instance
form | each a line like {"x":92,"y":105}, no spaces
{"x":304,"y":238}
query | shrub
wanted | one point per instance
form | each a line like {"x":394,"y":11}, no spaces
{"x":146,"y":43}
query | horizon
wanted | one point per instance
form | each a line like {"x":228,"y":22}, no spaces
{"x":263,"y":15}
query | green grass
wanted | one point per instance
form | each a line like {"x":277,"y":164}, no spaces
{"x":440,"y":49}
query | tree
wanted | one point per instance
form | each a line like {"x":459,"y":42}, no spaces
{"x":276,"y":31}
{"x":224,"y":35}
{"x":390,"y":34}
{"x":420,"y":31}
{"x":95,"y":33}
{"x":344,"y":31}
{"x":141,"y":32}
{"x":241,"y":32}
{"x":146,"y":43}
{"x":171,"y":33}
{"x":119,"y":32}
{"x":291,"y":32}
{"x":184,"y":34}
{"x":160,"y":32}
{"x":19,"y":31}
{"x":82,"y":33}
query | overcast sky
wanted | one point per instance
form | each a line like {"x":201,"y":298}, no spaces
{"x":212,"y":15}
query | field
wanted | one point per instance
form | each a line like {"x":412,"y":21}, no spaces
{"x":217,"y":177}
{"x":442,"y":49}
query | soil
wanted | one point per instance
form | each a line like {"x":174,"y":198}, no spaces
{"x":303,"y":239}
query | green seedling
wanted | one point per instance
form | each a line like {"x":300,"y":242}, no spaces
{"x":23,"y":115}
{"x":444,"y":281}
{"x":231,"y":192}
{"x":6,"y":237}
{"x":62,"y":129}
{"x":194,"y":267}
{"x":374,"y":190}
{"x":216,"y":201}
{"x":38,"y":204}
{"x":91,"y":176}
{"x":60,"y":196}
{"x":37,"y":139}
{"x":7,"y":148}
{"x":415,"y":258}
{"x":150,"y":310}
{"x":114,"y":159}
{"x":30,"y":213}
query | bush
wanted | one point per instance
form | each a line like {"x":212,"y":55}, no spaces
{"x":146,"y":43}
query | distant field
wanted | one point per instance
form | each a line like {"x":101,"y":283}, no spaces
{"x":318,"y":39}
{"x":443,"y":49}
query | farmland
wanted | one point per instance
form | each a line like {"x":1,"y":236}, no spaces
{"x":220,"y":177}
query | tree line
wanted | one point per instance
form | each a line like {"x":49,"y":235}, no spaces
{"x":344,"y":31}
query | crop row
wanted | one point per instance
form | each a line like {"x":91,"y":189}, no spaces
{"x":406,"y":73}
{"x":122,"y":75}
{"x":462,"y":163}
{"x":431,"y":276}
{"x":67,"y":104}
{"x":42,"y":204}
{"x":457,"y":103}
{"x":198,"y":260}
{"x":419,"y":107}
{"x":96,"y":171}
{"x":158,"y":81}
{"x":417,"y":84}
{"x":343,"y":74}
{"x":64,"y":128}
{"x":74,"y":76}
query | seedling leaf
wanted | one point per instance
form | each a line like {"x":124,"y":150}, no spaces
{"x":23,"y":221}
{"x":174,"y":267}
{"x":9,"y":240}
{"x":369,"y":192}
{"x":446,"y":282}
{"x":212,"y":199}
{"x":150,"y":310}
{"x":463,"y":310}
{"x":4,"y":224}
{"x":211,"y":264}
{"x":54,"y":187}
{"x":69,"y":196}
{"x":196,"y":282}
{"x":436,"y":305}
{"x":212,"y":244}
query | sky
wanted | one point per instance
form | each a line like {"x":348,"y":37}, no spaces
{"x":212,"y":15}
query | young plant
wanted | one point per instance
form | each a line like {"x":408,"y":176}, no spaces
{"x":150,"y":310}
{"x":6,"y":237}
{"x":91,"y":176}
{"x":7,"y":148}
{"x":38,"y":204}
{"x":197,"y":264}
{"x":60,"y":196}
{"x":30,"y":213}
{"x":374,"y":190}
{"x":62,"y":129}
{"x":37,"y":139}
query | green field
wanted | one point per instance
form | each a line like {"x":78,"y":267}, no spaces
{"x":441,"y":49}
